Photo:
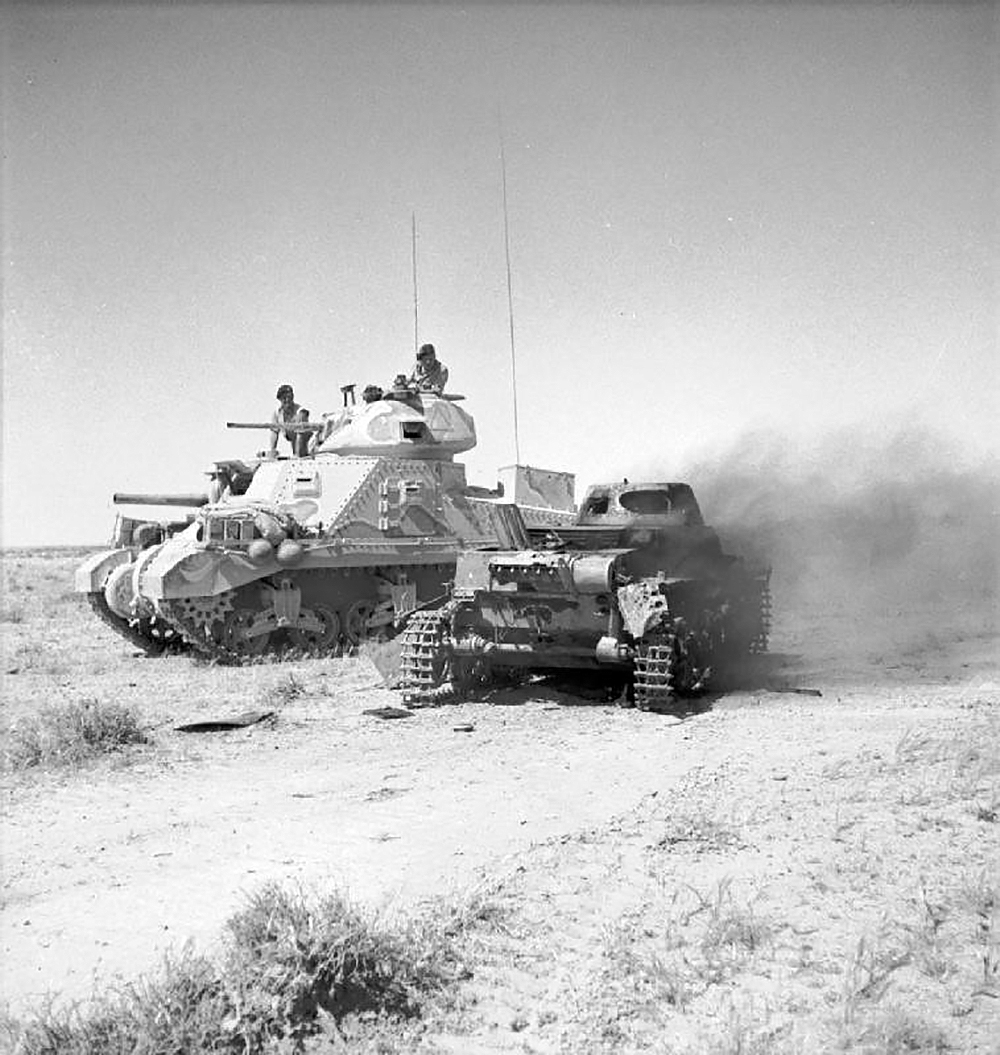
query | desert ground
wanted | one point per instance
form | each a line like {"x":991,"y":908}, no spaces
{"x":808,"y":861}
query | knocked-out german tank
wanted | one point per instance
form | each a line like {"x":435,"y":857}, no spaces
{"x":638,"y":585}
{"x":326,"y":549}
{"x":106,"y":577}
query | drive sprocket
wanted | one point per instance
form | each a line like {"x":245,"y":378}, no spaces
{"x":200,"y":620}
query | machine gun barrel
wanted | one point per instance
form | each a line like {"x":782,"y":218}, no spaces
{"x":291,"y":426}
{"x":124,"y":498}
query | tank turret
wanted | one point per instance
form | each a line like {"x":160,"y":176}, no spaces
{"x":404,"y":424}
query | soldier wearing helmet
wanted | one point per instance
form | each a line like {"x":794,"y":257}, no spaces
{"x":289,"y":413}
{"x":429,"y":375}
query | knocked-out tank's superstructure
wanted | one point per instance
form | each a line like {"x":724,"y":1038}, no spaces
{"x":326,"y":549}
{"x":637,"y":585}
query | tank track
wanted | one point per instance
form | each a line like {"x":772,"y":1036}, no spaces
{"x":653,"y":677}
{"x":760,"y":643}
{"x":674,"y":662}
{"x":151,"y":634}
{"x":214,"y":627}
{"x":424,"y":657}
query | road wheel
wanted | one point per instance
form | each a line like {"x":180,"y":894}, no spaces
{"x":317,"y":640}
{"x":234,"y":634}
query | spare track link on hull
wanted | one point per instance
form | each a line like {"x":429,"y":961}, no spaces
{"x":153,"y":636}
{"x":424,"y":657}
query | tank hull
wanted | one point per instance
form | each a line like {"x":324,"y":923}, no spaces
{"x":316,"y":553}
{"x":320,"y":554}
{"x":647,"y":596}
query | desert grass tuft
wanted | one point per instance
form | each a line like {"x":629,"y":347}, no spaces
{"x":178,"y":1011}
{"x":894,"y":1031}
{"x":288,"y":688}
{"x":868,"y":975}
{"x":70,"y":733}
{"x":981,"y":897}
{"x":704,"y":940}
{"x":290,"y":969}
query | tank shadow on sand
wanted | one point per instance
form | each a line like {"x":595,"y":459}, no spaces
{"x":766,"y":672}
{"x":583,"y":689}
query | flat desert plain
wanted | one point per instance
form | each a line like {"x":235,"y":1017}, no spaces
{"x":775,"y":871}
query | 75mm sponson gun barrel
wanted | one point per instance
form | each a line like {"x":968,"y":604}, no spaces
{"x":289,"y":426}
{"x":126,"y":498}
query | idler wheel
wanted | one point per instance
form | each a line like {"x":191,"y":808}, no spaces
{"x":316,"y":640}
{"x":234,"y":634}
{"x":118,"y":591}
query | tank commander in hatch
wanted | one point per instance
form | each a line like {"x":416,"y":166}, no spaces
{"x":289,"y":413}
{"x":429,"y":375}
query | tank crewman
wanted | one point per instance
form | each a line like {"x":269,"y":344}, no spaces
{"x":288,"y":413}
{"x":429,"y":375}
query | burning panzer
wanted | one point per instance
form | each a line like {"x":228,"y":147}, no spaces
{"x":637,"y":585}
{"x":323,"y":550}
{"x":106,"y":577}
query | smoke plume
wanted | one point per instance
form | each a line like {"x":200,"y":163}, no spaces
{"x":887,"y":542}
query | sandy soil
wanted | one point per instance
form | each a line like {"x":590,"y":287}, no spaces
{"x":107,"y":866}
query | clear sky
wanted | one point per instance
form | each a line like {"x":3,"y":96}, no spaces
{"x":723,"y":218}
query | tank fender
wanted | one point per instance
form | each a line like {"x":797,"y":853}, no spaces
{"x":182,"y":568}
{"x":93,"y":573}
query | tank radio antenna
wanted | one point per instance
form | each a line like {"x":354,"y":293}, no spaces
{"x":413,"y":253}
{"x":510,"y":296}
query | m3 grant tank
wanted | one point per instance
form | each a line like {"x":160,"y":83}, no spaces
{"x":636,"y":586}
{"x":324,"y":550}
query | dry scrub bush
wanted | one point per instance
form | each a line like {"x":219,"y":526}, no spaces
{"x":289,"y":960}
{"x":69,"y":733}
{"x":290,"y":969}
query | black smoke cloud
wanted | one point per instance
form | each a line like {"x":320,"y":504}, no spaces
{"x":863,"y":529}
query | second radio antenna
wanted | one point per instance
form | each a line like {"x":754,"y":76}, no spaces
{"x":416,"y":327}
{"x":510,"y":297}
